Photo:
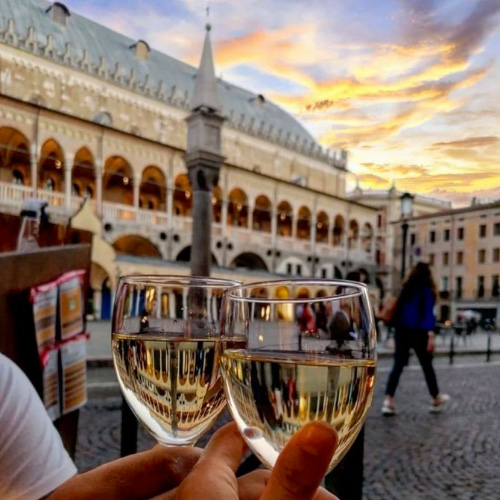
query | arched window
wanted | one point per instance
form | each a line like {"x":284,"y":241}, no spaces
{"x":183,"y":199}
{"x":152,"y":191}
{"x":17,"y":177}
{"x":353,"y":233}
{"x":217,"y":205}
{"x":338,"y":230}
{"x":83,"y":173}
{"x":322,"y":227}
{"x":118,"y":181}
{"x":262,"y":214}
{"x":285,"y":219}
{"x":51,"y":166}
{"x":237,"y":209}
{"x":367,"y":237}
{"x":304,"y":223}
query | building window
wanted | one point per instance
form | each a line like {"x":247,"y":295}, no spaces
{"x":413,"y":239}
{"x":496,"y":229}
{"x":458,"y":287}
{"x":460,"y":233}
{"x":446,"y":258}
{"x":324,"y":273}
{"x":495,"y":285}
{"x":431,"y":259}
{"x":481,"y":256}
{"x":446,"y":235}
{"x":496,"y":255}
{"x":379,"y":221}
{"x":460,"y":258}
{"x":299,"y":269}
{"x":444,"y":283}
{"x":289,"y":269}
{"x":432,"y":236}
{"x":482,"y":231}
{"x":480,"y":286}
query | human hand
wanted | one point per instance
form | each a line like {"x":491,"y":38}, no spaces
{"x":296,"y":476}
{"x":431,"y":342}
{"x":137,"y":477}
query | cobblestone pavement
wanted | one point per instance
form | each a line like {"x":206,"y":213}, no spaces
{"x":415,"y":455}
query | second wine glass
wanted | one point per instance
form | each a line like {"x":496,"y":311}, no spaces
{"x":166,"y":350}
{"x":297,"y":351}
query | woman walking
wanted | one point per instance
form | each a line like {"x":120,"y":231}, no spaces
{"x":415,"y":322}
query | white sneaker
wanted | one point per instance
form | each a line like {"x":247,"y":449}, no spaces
{"x":441,"y":404}
{"x":388,"y":410}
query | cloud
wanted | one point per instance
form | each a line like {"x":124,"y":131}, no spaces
{"x":372,"y":180}
{"x":470,"y":142}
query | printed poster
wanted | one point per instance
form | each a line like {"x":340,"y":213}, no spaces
{"x":74,"y":373}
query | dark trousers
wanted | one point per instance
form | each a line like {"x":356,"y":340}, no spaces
{"x":416,"y":339}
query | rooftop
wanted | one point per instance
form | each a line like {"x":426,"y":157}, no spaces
{"x":51,"y":31}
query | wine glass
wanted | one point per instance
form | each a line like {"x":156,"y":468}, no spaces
{"x":166,"y":349}
{"x":297,"y":351}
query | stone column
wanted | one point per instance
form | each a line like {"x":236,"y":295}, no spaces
{"x":98,"y":187}
{"x":250,"y":208}
{"x":34,"y":169}
{"x":97,"y":304}
{"x":224,"y":229}
{"x":314,"y":229}
{"x":274,"y":235}
{"x":136,"y":186}
{"x":170,"y":216}
{"x":68,"y":170}
{"x":295,"y":221}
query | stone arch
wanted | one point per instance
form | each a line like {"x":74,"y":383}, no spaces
{"x":134,"y":244}
{"x":353,"y":233}
{"x":83,"y":174}
{"x":118,"y":181}
{"x":15,"y":164}
{"x":302,"y":293}
{"x":100,"y":292}
{"x":262,"y":214}
{"x":217,"y":205}
{"x":249,"y":260}
{"x":304,"y":223}
{"x":51,"y":166}
{"x":322,"y":227}
{"x":185,"y":256}
{"x":183,"y":196}
{"x":153,"y":189}
{"x":237,"y":208}
{"x":338,"y":230}
{"x":285,"y":218}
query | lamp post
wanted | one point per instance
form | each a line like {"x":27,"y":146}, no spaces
{"x":406,"y":212}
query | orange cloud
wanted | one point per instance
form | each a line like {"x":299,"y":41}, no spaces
{"x":470,"y":142}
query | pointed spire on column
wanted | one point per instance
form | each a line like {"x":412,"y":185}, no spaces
{"x":205,"y":93}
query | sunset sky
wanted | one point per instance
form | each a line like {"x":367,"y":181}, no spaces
{"x":410,"y":87}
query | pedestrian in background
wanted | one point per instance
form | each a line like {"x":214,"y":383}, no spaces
{"x":414,"y":322}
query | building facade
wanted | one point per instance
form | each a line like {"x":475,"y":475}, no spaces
{"x":388,"y":253}
{"x":463,"y":249}
{"x":89,"y":114}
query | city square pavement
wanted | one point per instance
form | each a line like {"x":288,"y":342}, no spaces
{"x":415,"y":455}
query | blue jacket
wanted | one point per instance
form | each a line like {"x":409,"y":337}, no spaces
{"x":418,"y":312}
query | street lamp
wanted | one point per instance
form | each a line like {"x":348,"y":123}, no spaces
{"x":406,"y":212}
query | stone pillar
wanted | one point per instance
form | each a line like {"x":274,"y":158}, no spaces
{"x":224,"y":229}
{"x":203,"y":181}
{"x":34,"y":169}
{"x":274,"y":235}
{"x":98,"y":187}
{"x":314,"y":229}
{"x":170,"y":216}
{"x":295,"y":221}
{"x":250,"y":208}
{"x":68,"y":170}
{"x":136,"y":186}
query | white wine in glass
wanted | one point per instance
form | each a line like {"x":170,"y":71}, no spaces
{"x":309,"y":355}
{"x":166,"y":351}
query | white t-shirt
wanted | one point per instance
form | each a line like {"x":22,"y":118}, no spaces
{"x":33,"y":461}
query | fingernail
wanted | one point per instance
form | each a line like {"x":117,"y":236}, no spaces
{"x":317,"y":438}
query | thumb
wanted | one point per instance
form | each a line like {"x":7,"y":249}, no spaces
{"x":302,"y":464}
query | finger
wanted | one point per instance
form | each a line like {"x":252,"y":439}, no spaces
{"x":302,"y":464}
{"x":252,"y":485}
{"x":213,"y":477}
{"x":142,"y":475}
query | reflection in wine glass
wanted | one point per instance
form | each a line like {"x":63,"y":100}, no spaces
{"x":305,"y":359}
{"x":166,"y":350}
